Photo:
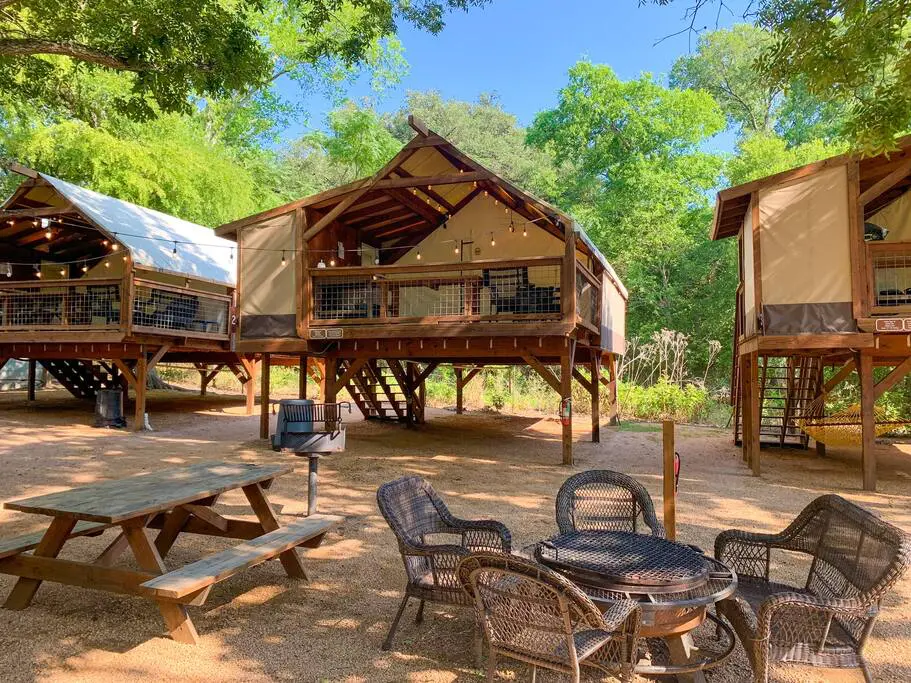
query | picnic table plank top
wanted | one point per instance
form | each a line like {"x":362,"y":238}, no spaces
{"x":119,"y":500}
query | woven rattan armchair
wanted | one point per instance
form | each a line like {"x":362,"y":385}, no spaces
{"x":602,"y":500}
{"x":856,"y":558}
{"x":533,"y":614}
{"x":432,"y":542}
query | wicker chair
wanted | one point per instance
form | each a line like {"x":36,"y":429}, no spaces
{"x":602,"y":500}
{"x":856,"y":558}
{"x":421,"y":522}
{"x":533,"y":614}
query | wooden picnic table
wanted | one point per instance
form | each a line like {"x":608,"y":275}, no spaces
{"x":171,"y":501}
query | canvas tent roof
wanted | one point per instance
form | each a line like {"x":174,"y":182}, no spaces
{"x":394,"y":205}
{"x":150,"y":235}
{"x":732,"y":203}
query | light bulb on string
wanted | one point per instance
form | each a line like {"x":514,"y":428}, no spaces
{"x":231,"y":256}
{"x":283,"y":259}
{"x":37,"y":271}
{"x":332,"y":262}
{"x":107,"y":263}
{"x":85,"y":267}
{"x":174,"y":250}
{"x":493,"y":242}
{"x":114,"y":246}
{"x":376,"y":260}
{"x":48,"y":234}
{"x":418,"y":256}
{"x":63,"y":272}
{"x":457,"y":249}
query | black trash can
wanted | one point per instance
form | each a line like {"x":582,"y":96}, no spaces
{"x":109,"y":408}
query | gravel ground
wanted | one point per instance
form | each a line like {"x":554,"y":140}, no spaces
{"x":259,"y":626}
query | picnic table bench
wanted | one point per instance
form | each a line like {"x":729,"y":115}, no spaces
{"x":172,"y":501}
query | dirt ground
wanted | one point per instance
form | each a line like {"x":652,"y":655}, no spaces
{"x":260,"y":626}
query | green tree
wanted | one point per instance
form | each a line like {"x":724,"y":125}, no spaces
{"x":209,"y":48}
{"x":760,"y":155}
{"x":849,"y":54}
{"x":641,"y":188}
{"x":356,"y":144}
{"x":484,"y":131}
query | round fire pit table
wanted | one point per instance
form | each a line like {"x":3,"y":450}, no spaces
{"x":674,"y":583}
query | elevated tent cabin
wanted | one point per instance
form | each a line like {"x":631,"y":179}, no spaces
{"x":825,"y":281}
{"x":99,"y":290}
{"x":434,"y":259}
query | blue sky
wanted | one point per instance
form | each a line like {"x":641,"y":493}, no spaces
{"x":521,"y":50}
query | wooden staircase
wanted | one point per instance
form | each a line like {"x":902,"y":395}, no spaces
{"x":82,"y":378}
{"x":376,"y":391}
{"x":787,"y":387}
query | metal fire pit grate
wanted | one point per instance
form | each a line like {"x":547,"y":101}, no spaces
{"x":625,"y":562}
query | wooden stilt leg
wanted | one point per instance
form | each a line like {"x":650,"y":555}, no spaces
{"x":751,"y":437}
{"x":302,"y":379}
{"x":613,"y":416}
{"x":250,"y":386}
{"x":31,"y":378}
{"x":141,"y":374}
{"x":596,"y":395}
{"x":566,"y":392}
{"x":864,"y":364}
{"x":51,"y":543}
{"x":265,"y":370}
{"x":459,"y":401}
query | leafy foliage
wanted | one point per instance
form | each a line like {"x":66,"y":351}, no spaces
{"x":641,"y":190}
{"x":850,"y":59}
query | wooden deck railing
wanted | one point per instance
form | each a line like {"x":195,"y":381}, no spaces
{"x":588,"y":298}
{"x":519,"y":290}
{"x":88,"y":304}
{"x":162,"y":309}
{"x":889,"y":268}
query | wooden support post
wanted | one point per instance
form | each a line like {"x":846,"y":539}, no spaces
{"x":820,"y":383}
{"x":265,"y":381}
{"x":141,"y":376}
{"x":250,"y":386}
{"x":330,"y":374}
{"x":460,"y":406}
{"x":302,"y":379}
{"x":749,"y":400}
{"x":203,"y":371}
{"x":31,"y":378}
{"x":566,"y":392}
{"x":613,"y":411}
{"x":596,"y":395}
{"x":670,"y":490}
{"x":322,"y":366}
{"x":864,"y":364}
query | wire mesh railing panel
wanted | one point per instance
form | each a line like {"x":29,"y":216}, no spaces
{"x":892,"y":278}
{"x":478,"y":293}
{"x":587,"y":299}
{"x":63,"y":305}
{"x":191,"y":313}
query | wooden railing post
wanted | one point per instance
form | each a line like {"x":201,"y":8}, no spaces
{"x":568,"y":275}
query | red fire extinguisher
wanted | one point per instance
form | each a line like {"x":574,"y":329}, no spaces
{"x":566,"y":412}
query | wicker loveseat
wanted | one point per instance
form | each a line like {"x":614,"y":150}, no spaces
{"x":855,"y":558}
{"x":432,"y":541}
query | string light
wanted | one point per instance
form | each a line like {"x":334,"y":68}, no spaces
{"x":37,"y":271}
{"x":283,"y":259}
{"x":174,"y":250}
{"x":63,"y":272}
{"x":524,"y":231}
{"x":48,"y":234}
{"x":332,"y":262}
{"x":456,"y":249}
{"x":115,"y":246}
{"x":419,"y":255}
{"x":493,"y":242}
{"x":85,"y":267}
{"x":376,"y":260}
